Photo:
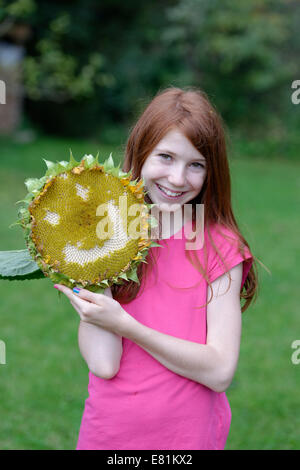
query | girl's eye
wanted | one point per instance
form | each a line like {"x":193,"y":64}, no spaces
{"x":165,"y":156}
{"x":198,"y":165}
{"x":168,"y":157}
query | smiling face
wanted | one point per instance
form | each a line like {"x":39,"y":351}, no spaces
{"x":174,"y":172}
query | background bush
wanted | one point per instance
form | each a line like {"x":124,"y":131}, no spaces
{"x":91,"y":64}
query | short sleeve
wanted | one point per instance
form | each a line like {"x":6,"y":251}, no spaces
{"x":227,"y":244}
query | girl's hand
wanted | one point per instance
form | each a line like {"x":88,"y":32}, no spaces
{"x":100,"y":309}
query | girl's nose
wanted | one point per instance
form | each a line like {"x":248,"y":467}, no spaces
{"x":177,"y":177}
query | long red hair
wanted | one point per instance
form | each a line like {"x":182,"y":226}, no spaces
{"x":192,"y":114}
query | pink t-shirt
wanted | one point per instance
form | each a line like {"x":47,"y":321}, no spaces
{"x":147,"y":406}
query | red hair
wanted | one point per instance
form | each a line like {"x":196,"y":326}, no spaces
{"x":191,"y":113}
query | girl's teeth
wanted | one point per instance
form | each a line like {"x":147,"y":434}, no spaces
{"x":169,"y":193}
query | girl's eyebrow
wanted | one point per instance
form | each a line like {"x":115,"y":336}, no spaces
{"x":174,"y":154}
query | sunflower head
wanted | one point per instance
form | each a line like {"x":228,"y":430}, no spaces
{"x":86,"y":223}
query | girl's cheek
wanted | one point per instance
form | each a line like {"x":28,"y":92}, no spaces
{"x":155,"y":174}
{"x":197,"y":181}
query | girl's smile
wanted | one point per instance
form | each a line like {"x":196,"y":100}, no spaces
{"x":169,"y":193}
{"x":174,"y":171}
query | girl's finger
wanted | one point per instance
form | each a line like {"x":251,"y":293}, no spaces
{"x":65,"y":290}
{"x":75,"y":306}
{"x":72,"y":295}
{"x":80,"y":303}
{"x":85,"y":294}
{"x":76,"y":301}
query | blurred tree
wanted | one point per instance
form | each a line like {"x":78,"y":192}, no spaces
{"x":53,"y":70}
{"x":234,"y":50}
{"x":12,"y":12}
{"x":87,"y":61}
{"x":11,"y":60}
{"x":91,"y":64}
{"x":62,"y":69}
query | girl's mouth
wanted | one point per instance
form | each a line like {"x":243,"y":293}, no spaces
{"x":170,"y":194}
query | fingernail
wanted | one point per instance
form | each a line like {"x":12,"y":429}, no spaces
{"x":56,"y":287}
{"x":76,"y":290}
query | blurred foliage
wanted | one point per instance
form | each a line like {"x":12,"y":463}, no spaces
{"x":53,"y":70}
{"x":55,"y":75}
{"x":91,"y":64}
{"x":19,"y":9}
{"x":236,"y":51}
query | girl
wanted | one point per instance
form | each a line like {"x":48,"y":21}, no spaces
{"x":162,"y":354}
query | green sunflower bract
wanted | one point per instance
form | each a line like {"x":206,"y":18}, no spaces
{"x":87,"y":224}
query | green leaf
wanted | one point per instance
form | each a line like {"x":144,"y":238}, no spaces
{"x":63,"y":163}
{"x":123,"y":276}
{"x":72,"y":162}
{"x":59,"y":278}
{"x":32,"y":184}
{"x":89,"y":160}
{"x":133,"y":276}
{"x":110,"y":160}
{"x":15,"y":223}
{"x":155,"y":244}
{"x":109,"y":163}
{"x":26,"y":277}
{"x":27,"y":199}
{"x":114,"y":172}
{"x":17,"y":263}
{"x":122,"y":174}
{"x":59,"y":168}
{"x":24,"y":213}
{"x":49,"y":164}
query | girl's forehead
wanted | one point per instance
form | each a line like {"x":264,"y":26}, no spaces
{"x":174,"y":136}
{"x":176,"y":142}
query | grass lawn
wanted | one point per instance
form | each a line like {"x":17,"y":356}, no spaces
{"x":43,"y":384}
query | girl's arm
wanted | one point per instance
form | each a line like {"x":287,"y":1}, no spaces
{"x":101,"y":349}
{"x":212,"y":364}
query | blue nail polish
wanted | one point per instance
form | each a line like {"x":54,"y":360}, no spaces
{"x":76,"y":290}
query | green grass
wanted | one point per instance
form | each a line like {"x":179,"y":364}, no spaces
{"x":44,"y":382}
{"x":264,"y":394}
